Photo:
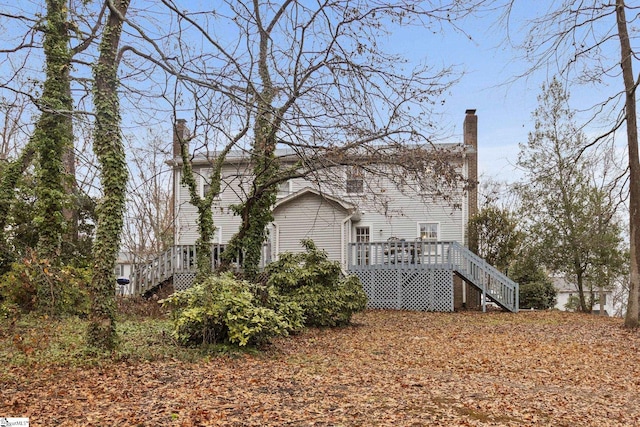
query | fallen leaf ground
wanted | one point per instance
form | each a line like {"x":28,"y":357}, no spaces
{"x":390,"y":368}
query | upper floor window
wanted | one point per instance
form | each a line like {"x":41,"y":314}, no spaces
{"x":205,"y":187}
{"x":355,"y":180}
{"x":428,"y":230}
{"x":284,"y":189}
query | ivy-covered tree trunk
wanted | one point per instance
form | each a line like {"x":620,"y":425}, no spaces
{"x":10,"y":177}
{"x":206,"y":226}
{"x":256,"y":211}
{"x":113,"y":171}
{"x":53,"y":133}
{"x":8,"y":182}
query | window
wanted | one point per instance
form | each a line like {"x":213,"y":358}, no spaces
{"x":284,"y":189}
{"x":355,"y":180}
{"x":119,"y":270}
{"x":205,"y":189}
{"x":217,"y":235}
{"x":363,"y":235}
{"x":425,"y":184}
{"x":428,"y":230}
{"x":205,"y":186}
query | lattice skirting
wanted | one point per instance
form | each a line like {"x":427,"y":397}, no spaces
{"x":408,"y":289}
{"x":182,"y":281}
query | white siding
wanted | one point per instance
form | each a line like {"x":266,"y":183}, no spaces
{"x":389,"y":211}
{"x":233,"y":189}
{"x":310,"y":217}
{"x":563,"y":298}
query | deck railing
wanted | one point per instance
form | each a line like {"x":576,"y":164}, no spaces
{"x":179,"y":259}
{"x":487,"y":278}
{"x":431,"y":254}
{"x":397,"y":253}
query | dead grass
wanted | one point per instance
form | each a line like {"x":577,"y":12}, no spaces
{"x":388,"y":369}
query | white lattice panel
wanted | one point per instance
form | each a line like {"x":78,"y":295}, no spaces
{"x":417,"y":292}
{"x":386,"y":293}
{"x":442,"y":290}
{"x":421,"y":288}
{"x":182,"y":281}
{"x":366,"y":277}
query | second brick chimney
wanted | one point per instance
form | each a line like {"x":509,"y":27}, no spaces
{"x":179,"y":134}
{"x":470,"y":140}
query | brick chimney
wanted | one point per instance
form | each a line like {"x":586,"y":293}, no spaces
{"x":179,"y":134}
{"x":470,"y":129}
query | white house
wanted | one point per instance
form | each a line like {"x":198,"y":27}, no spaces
{"x":334,"y":214}
{"x":568,"y":292}
{"x":406,"y":242}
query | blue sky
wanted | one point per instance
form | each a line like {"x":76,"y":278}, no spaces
{"x":504,"y":109}
{"x":504,"y":106}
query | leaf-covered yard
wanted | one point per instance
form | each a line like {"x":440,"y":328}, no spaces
{"x":389,"y":369}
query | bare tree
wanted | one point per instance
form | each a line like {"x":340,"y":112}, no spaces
{"x":315,"y":78}
{"x":148,"y":229}
{"x":578,"y":39}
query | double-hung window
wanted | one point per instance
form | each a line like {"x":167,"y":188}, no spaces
{"x":355,"y":180}
{"x":428,"y":231}
{"x":284,"y":189}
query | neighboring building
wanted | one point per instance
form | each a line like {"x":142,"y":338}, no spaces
{"x":124,"y":268}
{"x":407,"y":245}
{"x":568,"y":292}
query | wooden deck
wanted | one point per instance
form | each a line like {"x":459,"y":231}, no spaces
{"x":177,"y":261}
{"x":367,"y":260}
{"x":394,"y":272}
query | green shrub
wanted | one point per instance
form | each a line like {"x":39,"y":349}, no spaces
{"x":33,"y":284}
{"x":223,"y":309}
{"x":538,"y":295}
{"x":316,"y":284}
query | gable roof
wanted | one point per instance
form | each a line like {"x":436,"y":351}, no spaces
{"x":243,"y":156}
{"x":565,"y":286}
{"x":310,"y":190}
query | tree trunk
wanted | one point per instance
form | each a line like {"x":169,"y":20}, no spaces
{"x":631,"y":318}
{"x":206,"y":226}
{"x":256,"y":210}
{"x":111,"y":156}
{"x":10,"y":177}
{"x":583,"y":300}
{"x":53,"y":133}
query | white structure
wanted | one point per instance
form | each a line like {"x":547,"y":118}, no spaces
{"x":361,"y":208}
{"x":124,"y":268}
{"x":568,"y":291}
{"x":403,"y":239}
